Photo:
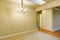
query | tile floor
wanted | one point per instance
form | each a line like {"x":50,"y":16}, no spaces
{"x":39,"y":36}
{"x":33,"y":36}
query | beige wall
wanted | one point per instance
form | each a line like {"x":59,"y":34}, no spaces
{"x":41,"y":20}
{"x":47,"y":16}
{"x":12,"y":22}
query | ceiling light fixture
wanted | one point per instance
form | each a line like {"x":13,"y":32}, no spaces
{"x":40,"y":2}
{"x":22,"y":9}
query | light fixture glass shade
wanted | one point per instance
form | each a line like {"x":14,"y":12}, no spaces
{"x":22,"y":10}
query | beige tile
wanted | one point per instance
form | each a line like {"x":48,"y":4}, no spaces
{"x":33,"y":36}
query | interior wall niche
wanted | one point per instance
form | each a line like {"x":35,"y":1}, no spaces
{"x":56,"y":18}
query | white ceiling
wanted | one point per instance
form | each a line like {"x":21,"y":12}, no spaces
{"x":33,"y":3}
{"x":48,"y":0}
{"x":40,"y":2}
{"x":26,"y":2}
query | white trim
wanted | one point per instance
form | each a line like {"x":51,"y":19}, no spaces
{"x":56,"y":29}
{"x":17,"y":34}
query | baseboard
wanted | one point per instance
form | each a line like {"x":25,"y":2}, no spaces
{"x":17,"y":34}
{"x":42,"y":28}
{"x":56,"y":30}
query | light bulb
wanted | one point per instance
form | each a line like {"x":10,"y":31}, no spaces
{"x":21,"y":8}
{"x":25,"y":10}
